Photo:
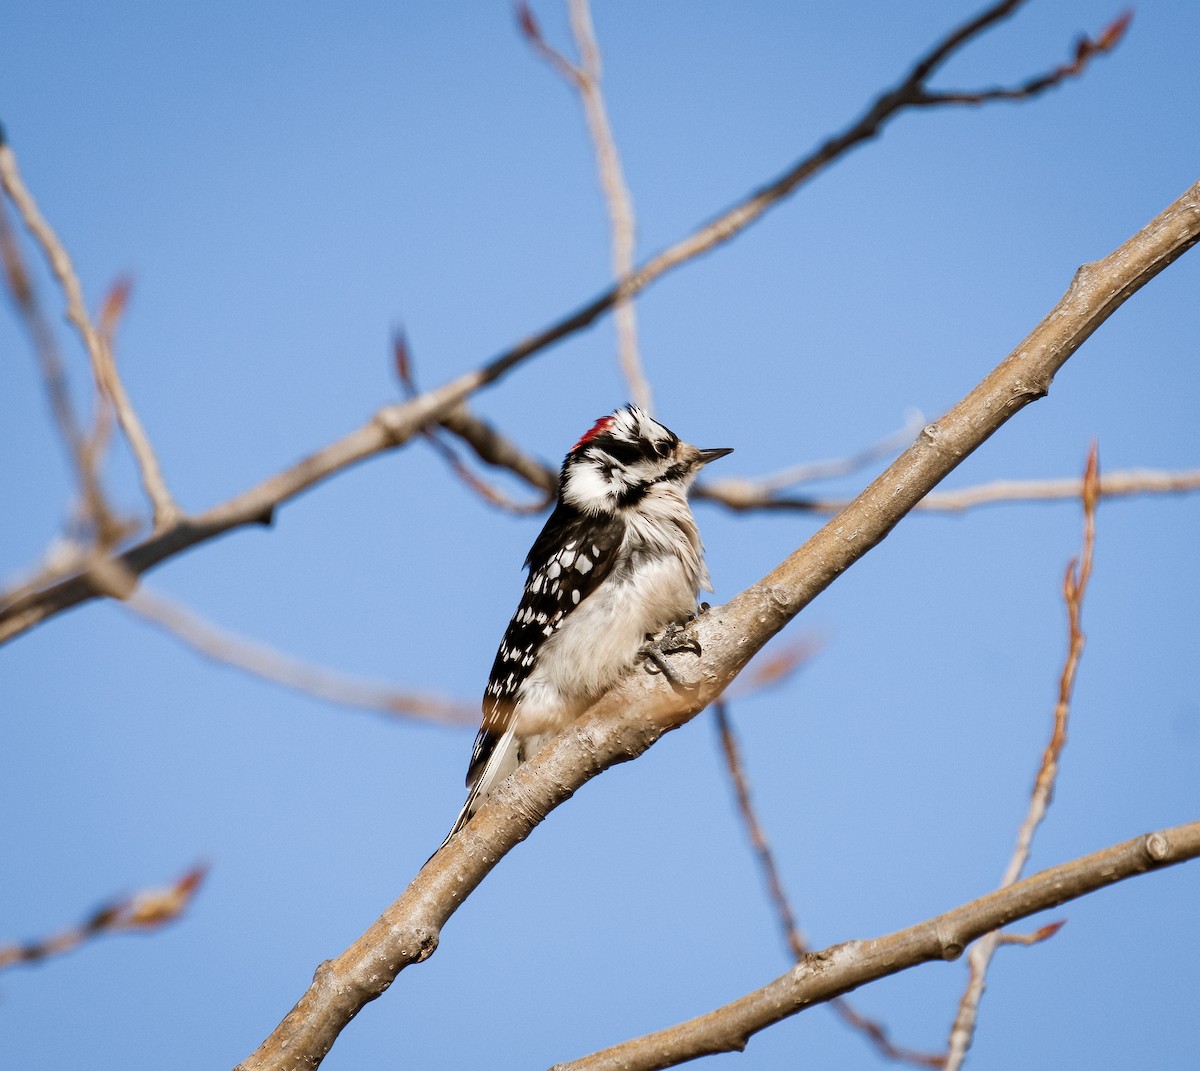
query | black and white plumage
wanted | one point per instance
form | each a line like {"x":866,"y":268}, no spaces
{"x":617,"y":562}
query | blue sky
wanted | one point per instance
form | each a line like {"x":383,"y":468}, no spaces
{"x":288,"y":183}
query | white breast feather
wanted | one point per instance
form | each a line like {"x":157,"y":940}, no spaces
{"x":600,"y":639}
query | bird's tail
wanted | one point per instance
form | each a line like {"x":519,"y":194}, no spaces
{"x":496,"y":756}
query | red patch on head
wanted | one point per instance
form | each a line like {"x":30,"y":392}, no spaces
{"x":600,"y":425}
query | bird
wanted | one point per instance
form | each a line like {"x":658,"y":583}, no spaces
{"x":618,"y":562}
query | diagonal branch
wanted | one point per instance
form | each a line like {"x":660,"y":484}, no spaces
{"x":1075,"y":583}
{"x":640,"y":707}
{"x":822,"y":976}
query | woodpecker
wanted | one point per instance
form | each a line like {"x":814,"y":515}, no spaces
{"x":618,"y":561}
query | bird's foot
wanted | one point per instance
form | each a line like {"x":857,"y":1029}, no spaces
{"x":671,"y":641}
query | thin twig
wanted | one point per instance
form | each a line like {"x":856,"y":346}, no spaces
{"x":909,"y":92}
{"x":146,"y":910}
{"x":95,"y":509}
{"x":585,"y":77}
{"x":406,"y":373}
{"x":112,"y":308}
{"x":394,"y":425}
{"x":796,"y":943}
{"x":494,"y":448}
{"x":743,"y":495}
{"x":1075,"y":584}
{"x":1085,"y":50}
{"x":104,"y":368}
{"x":616,"y":197}
{"x":831,"y":468}
{"x":263,"y":661}
{"x":1042,"y":933}
{"x":873,"y":1030}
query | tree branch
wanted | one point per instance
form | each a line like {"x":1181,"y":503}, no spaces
{"x":585,"y":77}
{"x":873,"y":1030}
{"x":745,"y":495}
{"x":260,"y":660}
{"x":97,"y":520}
{"x":641,"y":707}
{"x":1075,"y":584}
{"x":104,"y":368}
{"x":148,"y":909}
{"x":394,"y":425}
{"x":825,"y":975}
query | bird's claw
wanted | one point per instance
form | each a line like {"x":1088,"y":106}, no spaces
{"x":672,"y":640}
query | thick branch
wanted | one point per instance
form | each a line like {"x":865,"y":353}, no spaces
{"x":640,"y":708}
{"x":822,"y":976}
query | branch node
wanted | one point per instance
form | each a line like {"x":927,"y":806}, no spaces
{"x":427,"y":942}
{"x":932,"y":433}
{"x":390,"y":420}
{"x":950,"y":947}
{"x":1157,"y":847}
{"x":323,"y":975}
{"x":1026,"y":390}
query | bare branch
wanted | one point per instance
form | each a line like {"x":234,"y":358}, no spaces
{"x":796,"y":943}
{"x":1122,"y":484}
{"x":641,"y":707}
{"x":394,"y":425}
{"x":824,"y":975}
{"x":263,"y":661}
{"x":529,"y":27}
{"x":493,"y":448}
{"x":145,"y":910}
{"x":1086,"y":50}
{"x":403,"y":360}
{"x":874,"y":1031}
{"x":1075,"y":584}
{"x":1042,"y":933}
{"x":910,"y":92}
{"x":96,"y":512}
{"x":390,"y":427}
{"x":99,"y":353}
{"x":585,"y":77}
{"x":616,"y":197}
{"x":811,"y":471}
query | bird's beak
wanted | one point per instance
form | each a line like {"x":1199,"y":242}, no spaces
{"x":711,"y":455}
